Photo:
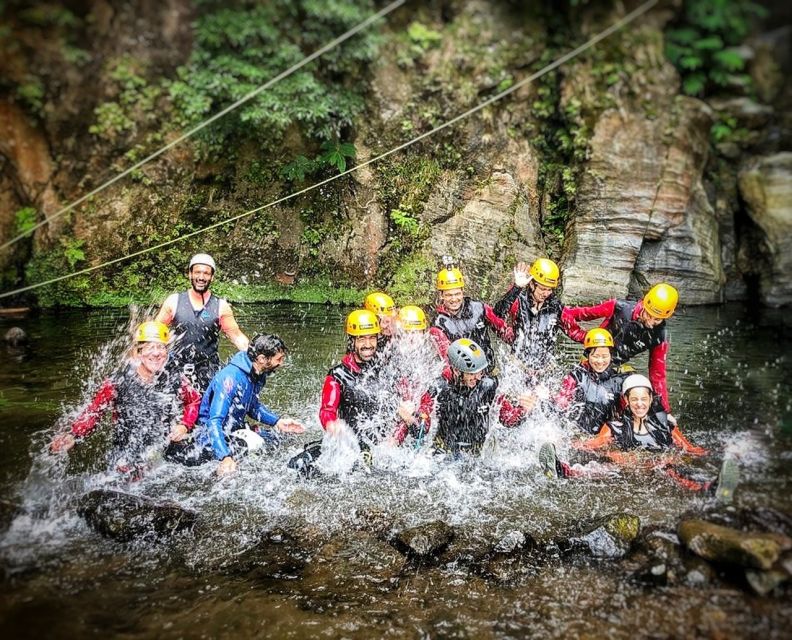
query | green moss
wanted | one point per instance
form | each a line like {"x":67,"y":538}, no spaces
{"x":413,"y":280}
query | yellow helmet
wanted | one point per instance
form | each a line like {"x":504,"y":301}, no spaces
{"x":380,"y":303}
{"x":545,"y":272}
{"x":412,"y":318}
{"x":661,"y":301}
{"x":362,"y":322}
{"x":597,"y":338}
{"x":152,"y":331}
{"x":450,"y":278}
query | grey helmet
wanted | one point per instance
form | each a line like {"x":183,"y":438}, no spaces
{"x":466,"y":356}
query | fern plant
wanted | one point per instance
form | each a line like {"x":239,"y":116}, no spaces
{"x":703,"y":44}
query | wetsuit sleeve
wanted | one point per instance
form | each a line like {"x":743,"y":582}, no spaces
{"x":657,"y":373}
{"x":191,"y":399}
{"x":571,"y":316}
{"x":218,"y":413}
{"x":331,"y":399}
{"x":510,"y":414}
{"x":103,"y":399}
{"x":566,"y":395}
{"x":260,"y":413}
{"x":504,"y":306}
{"x":441,"y":341}
{"x":500,"y":327}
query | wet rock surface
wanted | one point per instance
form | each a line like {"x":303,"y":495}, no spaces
{"x":609,"y":537}
{"x":725,"y":545}
{"x":424,"y":543}
{"x":126,"y":517}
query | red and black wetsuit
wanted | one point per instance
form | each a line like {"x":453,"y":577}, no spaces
{"x":630,"y":337}
{"x":143,"y":413}
{"x":535,"y":331}
{"x":197,"y":333}
{"x":463,"y":414}
{"x":471,"y":322}
{"x":352,"y":393}
{"x":590,"y":398}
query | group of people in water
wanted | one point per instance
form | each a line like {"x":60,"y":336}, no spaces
{"x":440,"y":381}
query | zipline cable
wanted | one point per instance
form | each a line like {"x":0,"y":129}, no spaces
{"x":553,"y":65}
{"x":246,"y":98}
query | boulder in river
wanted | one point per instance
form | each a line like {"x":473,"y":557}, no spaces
{"x":725,"y":545}
{"x":15,"y":337}
{"x":425,"y":542}
{"x":123,"y":516}
{"x":609,"y":537}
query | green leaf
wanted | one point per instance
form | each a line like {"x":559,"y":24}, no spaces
{"x":691,"y":62}
{"x":694,"y":84}
{"x":25,"y":219}
{"x":729,"y":59}
{"x":712,"y":43}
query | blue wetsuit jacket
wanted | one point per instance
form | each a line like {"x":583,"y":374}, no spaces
{"x":232,"y":395}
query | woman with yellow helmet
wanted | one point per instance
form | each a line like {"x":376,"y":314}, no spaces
{"x":143,"y":398}
{"x":458,"y":316}
{"x":535,"y":312}
{"x":590,"y":393}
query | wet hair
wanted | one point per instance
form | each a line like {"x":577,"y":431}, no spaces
{"x":266,"y":345}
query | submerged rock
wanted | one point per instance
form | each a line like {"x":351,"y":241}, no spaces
{"x":123,"y":516}
{"x":277,"y":555}
{"x":730,"y":546}
{"x":609,"y":537}
{"x":763,"y":582}
{"x":15,"y":337}
{"x":425,"y":542}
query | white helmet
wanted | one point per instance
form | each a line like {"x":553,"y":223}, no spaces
{"x":636,"y":381}
{"x":202,"y":258}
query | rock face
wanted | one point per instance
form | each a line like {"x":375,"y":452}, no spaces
{"x":766,"y":187}
{"x":126,"y":517}
{"x":729,"y":546}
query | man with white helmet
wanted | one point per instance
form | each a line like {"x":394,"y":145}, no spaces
{"x":198,"y":316}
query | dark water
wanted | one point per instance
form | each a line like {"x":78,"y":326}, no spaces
{"x":729,"y":373}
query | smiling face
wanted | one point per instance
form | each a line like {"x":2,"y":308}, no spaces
{"x":153,"y":356}
{"x":452,"y":300}
{"x":264,"y":364}
{"x":648,"y":320}
{"x":201,"y":277}
{"x":639,"y":400}
{"x":364,"y":347}
{"x":540,"y":293}
{"x":599,"y":359}
{"x":471,"y":379}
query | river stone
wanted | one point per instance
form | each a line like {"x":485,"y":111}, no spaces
{"x":729,"y":546}
{"x":123,"y":516}
{"x":610,"y":537}
{"x":763,"y":582}
{"x":424,"y":542}
{"x":766,"y":187}
{"x":15,"y":337}
{"x":278,"y":554}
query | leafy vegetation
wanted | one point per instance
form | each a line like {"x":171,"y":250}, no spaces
{"x":703,"y":44}
{"x":247,"y":44}
{"x":25,"y":220}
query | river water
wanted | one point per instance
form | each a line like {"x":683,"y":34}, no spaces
{"x":729,"y":373}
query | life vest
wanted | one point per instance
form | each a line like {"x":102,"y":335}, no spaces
{"x":630,"y":337}
{"x":596,"y":397}
{"x":658,"y":436}
{"x":536,"y":332}
{"x":197,"y":335}
{"x":470,"y":322}
{"x":144,"y":412}
{"x":361,"y":401}
{"x":463,"y":414}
